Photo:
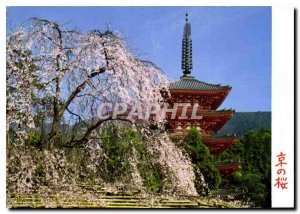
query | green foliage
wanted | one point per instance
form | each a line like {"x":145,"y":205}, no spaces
{"x":77,"y":157}
{"x":202,"y":160}
{"x":152,"y":177}
{"x":257,"y":190}
{"x":257,"y":152}
{"x":244,"y":121}
{"x":39,"y":171}
{"x":235,"y":152}
{"x":210,"y":173}
{"x":194,"y":146}
{"x":257,"y":166}
{"x":116,"y":146}
{"x":34,"y":139}
{"x":254,"y":151}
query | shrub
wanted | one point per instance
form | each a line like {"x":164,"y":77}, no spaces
{"x":34,"y":139}
{"x":202,"y":160}
{"x":116,"y":146}
{"x":152,"y":177}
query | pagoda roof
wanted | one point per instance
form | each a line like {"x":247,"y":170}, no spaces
{"x":190,"y":83}
{"x":227,"y":167}
{"x":218,"y":145}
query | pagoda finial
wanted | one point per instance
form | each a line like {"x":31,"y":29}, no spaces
{"x":186,"y":60}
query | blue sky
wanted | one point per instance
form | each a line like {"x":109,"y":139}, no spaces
{"x":231,"y":45}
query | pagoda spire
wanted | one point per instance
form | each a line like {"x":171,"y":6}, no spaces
{"x":186,"y":60}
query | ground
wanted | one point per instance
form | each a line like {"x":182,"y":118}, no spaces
{"x":97,"y":196}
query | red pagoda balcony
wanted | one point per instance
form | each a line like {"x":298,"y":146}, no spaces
{"x":211,"y":121}
{"x":218,"y":144}
{"x":226,"y":168}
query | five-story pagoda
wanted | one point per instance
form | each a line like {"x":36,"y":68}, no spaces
{"x":188,"y":92}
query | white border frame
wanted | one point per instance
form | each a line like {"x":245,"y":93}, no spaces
{"x":283,"y":101}
{"x":282,"y":75}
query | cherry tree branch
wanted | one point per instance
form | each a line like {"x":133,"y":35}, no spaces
{"x":92,"y":128}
